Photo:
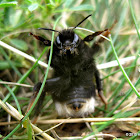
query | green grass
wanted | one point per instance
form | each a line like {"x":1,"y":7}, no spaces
{"x":121,"y":83}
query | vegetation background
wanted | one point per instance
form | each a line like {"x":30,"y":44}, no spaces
{"x":19,"y":18}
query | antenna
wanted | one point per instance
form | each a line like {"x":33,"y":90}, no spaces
{"x":49,"y":30}
{"x":82,"y":21}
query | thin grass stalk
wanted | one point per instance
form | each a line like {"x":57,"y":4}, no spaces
{"x":122,"y":69}
{"x":42,"y":86}
{"x":15,"y":98}
{"x":14,"y":113}
{"x":133,"y":16}
{"x":23,"y":78}
{"x":10,"y":62}
{"x":125,"y":98}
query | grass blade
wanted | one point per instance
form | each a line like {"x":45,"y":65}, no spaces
{"x":122,"y":69}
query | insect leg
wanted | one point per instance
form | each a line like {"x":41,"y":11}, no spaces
{"x":35,"y":92}
{"x":105,"y":33}
{"x":39,"y":103}
{"x":100,"y":88}
{"x":96,"y":45}
{"x":46,"y":42}
{"x":48,"y":86}
{"x":92,"y":36}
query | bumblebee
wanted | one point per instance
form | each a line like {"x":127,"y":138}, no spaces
{"x":71,"y":86}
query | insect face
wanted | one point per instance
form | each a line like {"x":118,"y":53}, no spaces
{"x":67,"y":42}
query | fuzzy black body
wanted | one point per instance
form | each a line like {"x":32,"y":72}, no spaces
{"x":76,"y":78}
{"x":74,"y":73}
{"x":74,"y":70}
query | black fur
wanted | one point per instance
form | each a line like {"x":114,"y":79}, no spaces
{"x":74,"y":70}
{"x":75,"y":77}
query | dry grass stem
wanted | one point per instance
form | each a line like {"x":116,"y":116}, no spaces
{"x":130,"y":32}
{"x":22,"y":54}
{"x":14,"y":113}
{"x":90,"y":137}
{"x":15,"y":84}
{"x":8,"y":123}
{"x":82,"y":120}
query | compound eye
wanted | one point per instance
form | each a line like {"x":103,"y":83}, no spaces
{"x":58,"y":40}
{"x":76,"y":38}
